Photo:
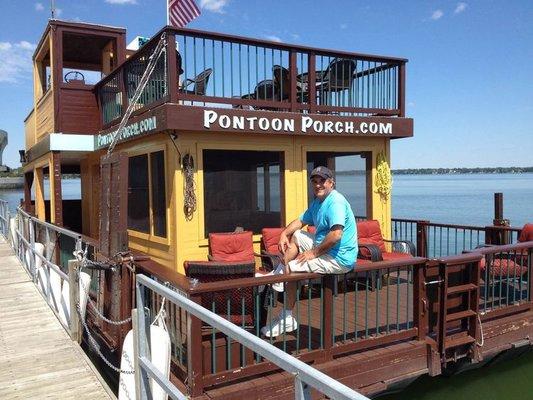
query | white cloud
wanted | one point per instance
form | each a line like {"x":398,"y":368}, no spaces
{"x":39,"y":7}
{"x":216,"y":6}
{"x":460,"y":7}
{"x":295,"y":36}
{"x":16,"y":61}
{"x":273,"y":38}
{"x":437,"y":14}
{"x":58,"y":12}
{"x":121,"y":1}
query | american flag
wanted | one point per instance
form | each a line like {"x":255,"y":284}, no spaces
{"x":181,"y":12}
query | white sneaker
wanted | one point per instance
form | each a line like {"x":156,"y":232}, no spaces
{"x":279,"y":326}
{"x":278,"y":287}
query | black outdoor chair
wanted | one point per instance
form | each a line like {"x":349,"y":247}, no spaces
{"x":200,"y":83}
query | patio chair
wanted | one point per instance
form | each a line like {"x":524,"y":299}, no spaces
{"x":372,"y":248}
{"x":236,"y":247}
{"x":200,"y":83}
{"x":372,"y":245}
{"x":507,"y":264}
{"x":236,"y":305}
{"x":283,"y":82}
{"x":337,"y":77}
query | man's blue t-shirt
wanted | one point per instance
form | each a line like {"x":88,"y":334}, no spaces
{"x":334,"y":210}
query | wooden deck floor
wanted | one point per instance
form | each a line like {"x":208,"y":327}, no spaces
{"x":37,"y":357}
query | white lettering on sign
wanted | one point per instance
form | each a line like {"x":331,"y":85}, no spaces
{"x":130,"y":131}
{"x":213,"y":120}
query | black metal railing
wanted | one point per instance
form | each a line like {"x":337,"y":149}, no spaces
{"x":229,"y":71}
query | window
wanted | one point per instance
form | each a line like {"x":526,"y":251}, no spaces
{"x":242,"y":189}
{"x":146,"y":194}
{"x":350,"y":171}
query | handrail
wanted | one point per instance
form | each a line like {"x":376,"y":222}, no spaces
{"x":4,"y":218}
{"x":64,"y":231}
{"x":304,"y":374}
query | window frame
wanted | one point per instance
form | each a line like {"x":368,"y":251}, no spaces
{"x":284,"y":151}
{"x":370,"y":150}
{"x":151,"y":236}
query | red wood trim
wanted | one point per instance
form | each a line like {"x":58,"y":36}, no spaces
{"x":195,"y":379}
{"x":255,"y":369}
{"x":57,"y":72}
{"x":56,"y":176}
{"x":277,"y":45}
{"x":292,"y":79}
{"x":401,"y":90}
{"x":366,"y":344}
{"x":172,"y":73}
{"x":505,"y":312}
{"x":374,"y":111}
{"x":327,"y":322}
{"x":420,"y":302}
{"x":312,"y":82}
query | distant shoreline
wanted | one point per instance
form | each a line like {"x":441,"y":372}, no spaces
{"x":457,"y":171}
{"x":449,"y":171}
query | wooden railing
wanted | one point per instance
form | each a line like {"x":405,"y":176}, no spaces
{"x":415,"y":299}
{"x":229,"y":71}
{"x":442,"y":301}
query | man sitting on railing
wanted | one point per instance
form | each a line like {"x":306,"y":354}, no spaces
{"x":331,"y":250}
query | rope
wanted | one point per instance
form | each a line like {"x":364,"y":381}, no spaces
{"x":189,"y":189}
{"x":160,"y":49}
{"x":481,"y":329}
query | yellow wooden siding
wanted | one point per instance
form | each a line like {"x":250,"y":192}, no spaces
{"x":189,"y":235}
{"x":29,"y":130}
{"x":45,"y":115}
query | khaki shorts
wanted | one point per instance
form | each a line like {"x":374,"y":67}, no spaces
{"x":324,"y":264}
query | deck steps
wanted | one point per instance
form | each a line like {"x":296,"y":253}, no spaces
{"x":462,"y":288}
{"x":458,"y":341}
{"x":460,"y":315}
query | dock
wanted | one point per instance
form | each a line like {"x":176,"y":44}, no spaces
{"x":37,"y":357}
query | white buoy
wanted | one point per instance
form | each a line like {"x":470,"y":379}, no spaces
{"x":64,"y":309}
{"x":160,"y":357}
{"x":13,"y":238}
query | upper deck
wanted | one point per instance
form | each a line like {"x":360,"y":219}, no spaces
{"x":253,"y":78}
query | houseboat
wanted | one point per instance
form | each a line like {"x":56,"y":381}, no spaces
{"x":190,"y":134}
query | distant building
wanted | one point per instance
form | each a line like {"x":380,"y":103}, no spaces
{"x":3,"y":144}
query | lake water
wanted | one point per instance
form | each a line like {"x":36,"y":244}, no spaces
{"x":456,"y":199}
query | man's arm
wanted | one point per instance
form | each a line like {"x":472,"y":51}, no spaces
{"x":287,"y":232}
{"x":331,"y":239}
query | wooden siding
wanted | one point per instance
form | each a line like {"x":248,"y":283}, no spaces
{"x":29,"y":129}
{"x":78,"y":110}
{"x":45,"y":115}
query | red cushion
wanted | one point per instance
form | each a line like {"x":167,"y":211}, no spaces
{"x":270,"y":238}
{"x":234,"y":246}
{"x":369,"y":232}
{"x":527,"y":233}
{"x":395,"y":256}
{"x":500,"y":267}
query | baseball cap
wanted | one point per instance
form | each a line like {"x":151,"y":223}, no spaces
{"x":323,"y":172}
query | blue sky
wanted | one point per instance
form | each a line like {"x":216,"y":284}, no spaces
{"x":469,"y":76}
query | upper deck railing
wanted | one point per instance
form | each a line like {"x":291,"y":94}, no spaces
{"x":203,"y":68}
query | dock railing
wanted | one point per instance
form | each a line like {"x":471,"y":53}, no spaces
{"x":305,"y":376}
{"x":4,"y":218}
{"x":238,"y":72}
{"x":46,"y":251}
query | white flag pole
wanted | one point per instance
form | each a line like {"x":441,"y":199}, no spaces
{"x":168,"y":15}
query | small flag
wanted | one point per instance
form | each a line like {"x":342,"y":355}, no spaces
{"x":181,"y":12}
